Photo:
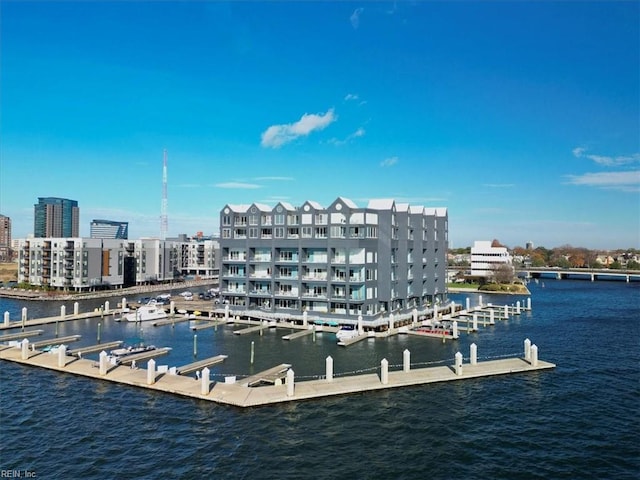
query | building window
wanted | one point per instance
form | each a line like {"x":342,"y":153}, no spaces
{"x":292,"y":220}
{"x":279,"y":232}
{"x":267,"y":233}
{"x":226,"y":233}
{"x":253,"y":219}
{"x":321,"y":232}
{"x":321,"y":218}
{"x":279,"y":219}
{"x":226,"y":220}
{"x":266,"y":219}
{"x":307,"y":232}
{"x":294,"y":232}
{"x":253,"y":233}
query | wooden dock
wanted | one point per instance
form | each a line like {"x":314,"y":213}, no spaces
{"x":351,"y":341}
{"x":209,"y":324}
{"x":207,"y":362}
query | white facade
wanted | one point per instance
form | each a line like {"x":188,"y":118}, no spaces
{"x":485,"y":259}
{"x":82,"y":264}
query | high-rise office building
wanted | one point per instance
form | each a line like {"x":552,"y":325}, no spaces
{"x":109,"y":229}
{"x":56,"y":218}
{"x":5,"y":238}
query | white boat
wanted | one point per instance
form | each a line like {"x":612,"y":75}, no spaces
{"x":346,"y":332}
{"x":116,"y":356}
{"x":145,"y":313}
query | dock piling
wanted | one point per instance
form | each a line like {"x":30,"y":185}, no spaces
{"x":455,"y":332}
{"x":467,"y":304}
{"x":6,"y":319}
{"x":252,"y":350}
{"x":534,"y":355}
{"x":103,"y":362}
{"x":329,"y":368}
{"x":76,"y":308}
{"x":518,"y":307}
{"x":475,"y":322}
{"x":24,"y":317}
{"x":151,"y":372}
{"x":290,"y":383}
{"x":62,"y":356}
{"x":480,"y":301}
{"x":527,"y":349}
{"x":458,"y":363}
{"x":25,"y":349}
{"x":99,"y":327}
{"x":473,"y":354}
{"x":63,"y":311}
{"x":506,"y":312}
{"x":406,"y":360}
{"x":492,"y":317}
{"x":195,"y":344}
{"x":384,"y":371}
{"x":204,"y":386}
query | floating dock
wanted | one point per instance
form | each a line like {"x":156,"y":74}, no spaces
{"x":241,"y":394}
{"x":207,"y":362}
{"x":302,"y":333}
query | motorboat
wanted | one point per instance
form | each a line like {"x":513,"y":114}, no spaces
{"x":145,"y":313}
{"x":346,"y":332}
{"x":118,"y":355}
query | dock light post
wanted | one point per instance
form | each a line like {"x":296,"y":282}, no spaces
{"x":99,"y":326}
{"x":195,"y":344}
{"x":252,"y":350}
{"x":313,"y":334}
{"x":56,"y":329}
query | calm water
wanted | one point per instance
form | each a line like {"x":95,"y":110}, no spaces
{"x":581,"y":420}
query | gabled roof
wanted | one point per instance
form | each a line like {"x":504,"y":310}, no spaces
{"x":238,"y":208}
{"x":262,"y":207}
{"x":402,"y":207}
{"x":416,"y":209}
{"x":381,"y":203}
{"x":315,"y":205}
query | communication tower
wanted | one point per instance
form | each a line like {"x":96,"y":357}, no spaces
{"x":164,"y":222}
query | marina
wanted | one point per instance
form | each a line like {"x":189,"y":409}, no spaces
{"x":282,"y":387}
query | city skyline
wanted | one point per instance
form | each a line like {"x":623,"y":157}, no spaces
{"x":520,"y":118}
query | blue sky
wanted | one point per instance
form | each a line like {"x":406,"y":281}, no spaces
{"x":522,"y":118}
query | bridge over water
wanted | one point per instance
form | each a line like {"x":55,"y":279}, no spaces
{"x":580,"y":274}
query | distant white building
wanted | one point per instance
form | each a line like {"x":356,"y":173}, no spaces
{"x":485,"y":259}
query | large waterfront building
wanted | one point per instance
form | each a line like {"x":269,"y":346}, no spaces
{"x":109,"y":229}
{"x":486,"y":259}
{"x":56,"y":217}
{"x":5,"y":238}
{"x":340,"y":261}
{"x":81,"y":264}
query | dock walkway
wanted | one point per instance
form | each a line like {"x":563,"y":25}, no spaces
{"x":237,"y":394}
{"x":207,"y":362}
{"x":271,"y":375}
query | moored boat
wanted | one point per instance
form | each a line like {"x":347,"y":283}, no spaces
{"x":145,"y":313}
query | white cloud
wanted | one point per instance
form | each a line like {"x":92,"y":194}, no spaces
{"x":607,"y":161}
{"x":628,"y":181}
{"x":240,"y":185}
{"x":388,"y":162}
{"x":499,"y":185}
{"x":355,"y":17}
{"x":351,"y":96}
{"x":360,"y":132}
{"x":277,"y":135}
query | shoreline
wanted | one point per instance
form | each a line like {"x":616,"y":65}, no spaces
{"x":28,"y":295}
